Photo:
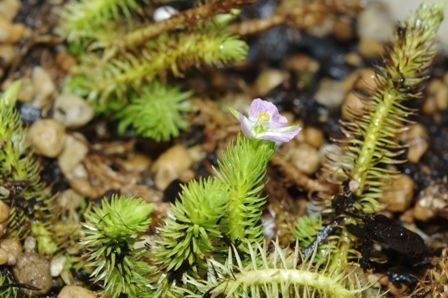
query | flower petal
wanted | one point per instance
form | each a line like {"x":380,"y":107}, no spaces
{"x":258,"y":105}
{"x":278,"y":121}
{"x":246,"y":126}
{"x":280,"y":136}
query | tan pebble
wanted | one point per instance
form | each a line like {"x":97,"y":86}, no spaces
{"x":10,"y":33}
{"x":398,"y":193}
{"x":349,"y":81}
{"x":352,"y":107}
{"x":4,"y":212}
{"x":47,"y":137}
{"x":69,"y":200}
{"x":3,"y":257}
{"x":30,"y":244}
{"x":313,"y":136}
{"x":9,"y":9}
{"x":438,"y":91}
{"x":375,"y":22}
{"x":76,"y":292}
{"x":33,"y":269}
{"x":57,"y":265}
{"x":13,"y":248}
{"x":43,"y":86}
{"x":65,"y":61}
{"x":366,"y":80}
{"x":3,"y":228}
{"x":72,"y":111}
{"x":7,"y":54}
{"x":268,"y":80}
{"x":370,"y":48}
{"x":136,"y":163}
{"x":432,"y":201}
{"x":416,"y":137}
{"x":75,"y":150}
{"x":343,"y":29}
{"x":305,"y":157}
{"x":302,"y":63}
{"x":330,"y":93}
{"x":353,"y":59}
{"x":26,"y":92}
{"x":170,"y":165}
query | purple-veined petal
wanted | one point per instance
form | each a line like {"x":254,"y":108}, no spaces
{"x":246,"y":126}
{"x":258,"y":105}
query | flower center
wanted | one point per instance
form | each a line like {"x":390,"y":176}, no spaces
{"x":264,"y":117}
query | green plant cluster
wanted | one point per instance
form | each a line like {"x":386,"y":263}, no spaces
{"x":21,"y":186}
{"x":110,"y":233}
{"x":119,"y":68}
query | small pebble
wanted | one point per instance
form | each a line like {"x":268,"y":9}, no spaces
{"x":305,"y":158}
{"x":47,"y":137}
{"x":13,"y":249}
{"x":375,"y":23}
{"x":432,"y":201}
{"x":352,"y":107}
{"x":33,"y":269}
{"x":398,"y":193}
{"x":313,"y":136}
{"x":30,"y":244}
{"x":29,"y":113}
{"x":10,"y":33}
{"x":65,"y":61}
{"x":370,"y":48}
{"x":43,"y":86}
{"x":57,"y":265}
{"x":69,"y":200}
{"x":163,"y":13}
{"x":4,"y":212}
{"x":330,"y":93}
{"x":268,"y":80}
{"x":417,"y":139}
{"x":302,"y":63}
{"x":72,"y":111}
{"x":9,"y":9}
{"x":76,"y":292}
{"x":26,"y":92}
{"x":170,"y":165}
{"x":136,"y":163}
{"x":75,"y":150}
{"x":436,"y":99}
{"x":3,"y":257}
{"x":7,"y":54}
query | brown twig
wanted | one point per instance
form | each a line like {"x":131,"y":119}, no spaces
{"x":191,"y":16}
{"x":300,"y":179}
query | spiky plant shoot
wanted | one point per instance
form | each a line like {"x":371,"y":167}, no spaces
{"x":156,"y":112}
{"x":110,"y":233}
{"x":24,"y":191}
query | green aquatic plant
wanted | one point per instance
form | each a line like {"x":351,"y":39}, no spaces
{"x":241,"y":170}
{"x":110,"y":233}
{"x":22,"y":188}
{"x":306,"y":229}
{"x":174,"y":53}
{"x":82,"y":18}
{"x":156,"y":112}
{"x":372,"y":138}
{"x":274,"y":272}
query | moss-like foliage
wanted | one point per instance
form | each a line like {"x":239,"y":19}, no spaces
{"x":156,"y":112}
{"x":278,"y":273}
{"x":110,"y":233}
{"x":241,"y":169}
{"x":22,"y":188}
{"x":190,"y":235}
{"x":372,"y":139}
{"x":81,"y":18}
{"x":306,"y":229}
{"x":168,"y":53}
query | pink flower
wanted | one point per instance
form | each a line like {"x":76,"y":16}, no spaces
{"x":266,"y":123}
